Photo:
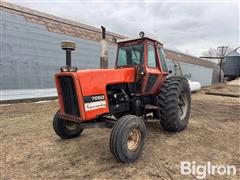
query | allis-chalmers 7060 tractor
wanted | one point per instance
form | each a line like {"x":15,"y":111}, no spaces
{"x":122,"y":98}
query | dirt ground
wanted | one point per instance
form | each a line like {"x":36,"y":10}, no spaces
{"x":31,"y":150}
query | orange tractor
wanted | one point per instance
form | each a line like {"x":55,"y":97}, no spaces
{"x":122,"y":98}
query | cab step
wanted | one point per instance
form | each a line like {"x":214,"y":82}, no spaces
{"x":150,"y":106}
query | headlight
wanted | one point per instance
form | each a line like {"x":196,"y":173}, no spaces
{"x":73,"y":69}
{"x":64,"y":69}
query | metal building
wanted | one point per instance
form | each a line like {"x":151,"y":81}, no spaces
{"x":31,"y":53}
{"x":231,"y":65}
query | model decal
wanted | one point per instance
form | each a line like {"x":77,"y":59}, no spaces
{"x":94,"y":102}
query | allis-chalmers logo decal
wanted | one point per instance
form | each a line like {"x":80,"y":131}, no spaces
{"x":94,"y":102}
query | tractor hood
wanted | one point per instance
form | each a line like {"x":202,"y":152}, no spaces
{"x":90,"y":87}
{"x":95,"y":81}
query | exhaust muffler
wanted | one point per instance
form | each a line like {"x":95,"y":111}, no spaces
{"x":104,"y":50}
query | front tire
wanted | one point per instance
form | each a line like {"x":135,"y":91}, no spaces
{"x":66,"y":129}
{"x":127,"y":138}
{"x":175,"y":104}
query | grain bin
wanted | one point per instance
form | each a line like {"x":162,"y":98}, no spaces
{"x":231,"y":66}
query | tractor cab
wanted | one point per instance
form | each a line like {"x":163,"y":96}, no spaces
{"x":147,"y":57}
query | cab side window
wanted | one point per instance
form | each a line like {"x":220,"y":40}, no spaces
{"x":151,"y":56}
{"x":162,"y":59}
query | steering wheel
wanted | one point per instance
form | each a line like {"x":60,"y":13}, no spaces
{"x":136,"y":61}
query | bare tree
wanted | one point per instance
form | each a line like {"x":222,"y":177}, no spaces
{"x":217,"y":56}
{"x":210,"y":53}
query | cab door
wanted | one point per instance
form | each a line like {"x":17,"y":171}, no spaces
{"x":153,"y":77}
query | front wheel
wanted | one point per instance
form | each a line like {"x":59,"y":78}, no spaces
{"x":66,"y":129}
{"x":127,"y":138}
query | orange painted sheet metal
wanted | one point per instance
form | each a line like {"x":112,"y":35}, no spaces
{"x":90,"y":83}
{"x":94,"y":82}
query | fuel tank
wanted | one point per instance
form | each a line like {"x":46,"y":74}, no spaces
{"x":83,"y":93}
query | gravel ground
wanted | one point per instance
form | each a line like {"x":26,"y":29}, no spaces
{"x":31,"y":150}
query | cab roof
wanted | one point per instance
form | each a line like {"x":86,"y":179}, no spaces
{"x":137,"y":38}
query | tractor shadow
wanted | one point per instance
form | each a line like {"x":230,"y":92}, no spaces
{"x":155,"y":129}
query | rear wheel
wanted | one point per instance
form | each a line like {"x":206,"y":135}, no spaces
{"x":127,"y":138}
{"x":66,"y":129}
{"x":175,"y":104}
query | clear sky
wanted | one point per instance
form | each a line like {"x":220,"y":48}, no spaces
{"x":189,"y":26}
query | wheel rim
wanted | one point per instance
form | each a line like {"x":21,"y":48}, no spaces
{"x":71,"y":126}
{"x":182,"y":105}
{"x":134,"y":139}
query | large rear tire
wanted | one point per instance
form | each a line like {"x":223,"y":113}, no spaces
{"x":175,"y":104}
{"x":127,"y":138}
{"x":66,"y":129}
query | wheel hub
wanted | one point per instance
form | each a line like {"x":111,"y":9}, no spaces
{"x":71,"y":125}
{"x":182,"y":105}
{"x":134,"y":139}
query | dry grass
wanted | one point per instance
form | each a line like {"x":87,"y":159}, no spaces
{"x":31,"y":150}
{"x":235,"y":82}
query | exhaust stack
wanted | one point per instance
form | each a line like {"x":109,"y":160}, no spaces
{"x":104,"y":50}
{"x":68,"y":46}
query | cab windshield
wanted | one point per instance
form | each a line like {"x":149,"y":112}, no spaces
{"x":130,"y":55}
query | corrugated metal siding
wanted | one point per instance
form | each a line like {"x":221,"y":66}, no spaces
{"x":194,"y":72}
{"x":57,"y":24}
{"x":231,"y":66}
{"x":31,"y":55}
{"x":216,"y":74}
{"x":178,"y":56}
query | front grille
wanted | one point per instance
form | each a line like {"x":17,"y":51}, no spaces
{"x":69,"y":95}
